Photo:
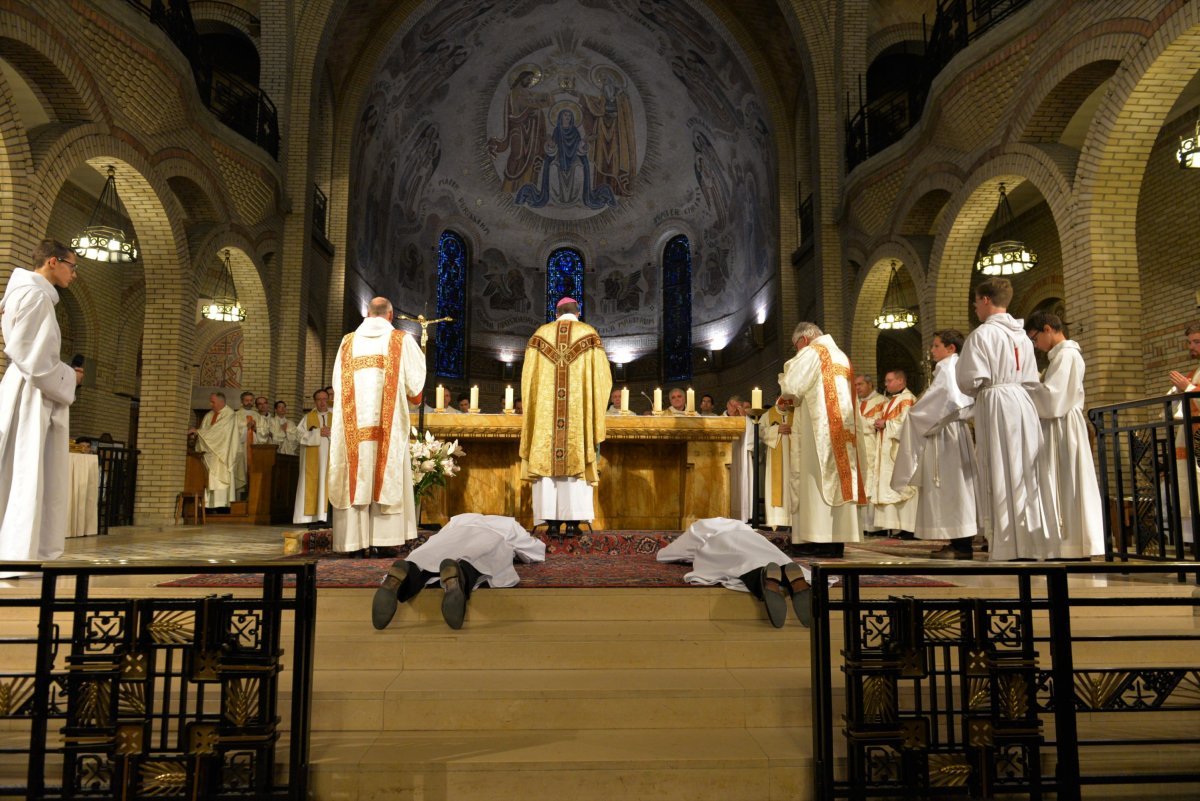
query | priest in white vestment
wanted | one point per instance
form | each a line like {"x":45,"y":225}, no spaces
{"x":998,"y":369}
{"x":937,"y":456}
{"x":379,"y":370}
{"x":826,"y":484}
{"x":891,"y":509}
{"x":1183,"y":383}
{"x":284,"y":433}
{"x":36,"y":393}
{"x":870,"y":406}
{"x":733,"y":555}
{"x":218,"y":443}
{"x":1069,"y":475}
{"x":775,"y":430}
{"x":262,"y":427}
{"x":313,"y":441}
{"x":248,"y":422}
{"x":469,"y":551}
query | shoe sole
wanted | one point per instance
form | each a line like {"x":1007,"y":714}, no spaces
{"x":454,"y":601}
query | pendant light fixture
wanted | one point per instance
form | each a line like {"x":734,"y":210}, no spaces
{"x":224,"y":306}
{"x":103,"y":239}
{"x":895,"y":315}
{"x":1006,"y":255}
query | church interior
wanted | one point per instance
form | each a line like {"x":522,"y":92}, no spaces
{"x":702,"y":175}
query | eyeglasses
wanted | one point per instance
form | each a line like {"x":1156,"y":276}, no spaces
{"x":74,"y":265}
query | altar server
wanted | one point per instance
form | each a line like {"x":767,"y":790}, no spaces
{"x":775,"y":430}
{"x":218,"y":443}
{"x":891,"y":509}
{"x":311,"y":501}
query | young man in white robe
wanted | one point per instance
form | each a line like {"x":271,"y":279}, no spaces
{"x":312,"y":503}
{"x":1069,"y":475}
{"x":937,"y":456}
{"x":826,"y":484}
{"x":730,"y":553}
{"x":775,"y":430}
{"x":870,"y":406}
{"x":892,"y":510}
{"x":469,"y":551}
{"x":1184,"y":383}
{"x":36,"y":393}
{"x":218,"y":443}
{"x":379,"y":370}
{"x":998,"y":369}
{"x":285,"y":434}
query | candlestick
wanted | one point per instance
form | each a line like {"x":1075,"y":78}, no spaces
{"x":657,"y":400}
{"x":756,"y":398}
{"x":691,"y":400}
{"x":625,"y":399}
{"x":475,"y":398}
{"x":508,"y":398}
{"x":440,"y":403}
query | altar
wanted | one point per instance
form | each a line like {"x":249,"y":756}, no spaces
{"x":655,"y":472}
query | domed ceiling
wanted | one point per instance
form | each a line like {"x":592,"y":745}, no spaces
{"x":604,"y":125}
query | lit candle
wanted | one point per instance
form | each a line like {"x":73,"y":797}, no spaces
{"x":475,"y":398}
{"x":756,"y":398}
{"x":625,"y":399}
{"x":440,"y":402}
{"x":508,"y":399}
{"x":691,"y":400}
{"x":658,"y":399}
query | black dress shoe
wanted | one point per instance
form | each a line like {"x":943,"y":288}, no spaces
{"x":553,"y":527}
{"x":797,"y":586}
{"x":454,"y":601}
{"x":773,"y":594}
{"x":383,"y":607}
{"x":573,"y":528}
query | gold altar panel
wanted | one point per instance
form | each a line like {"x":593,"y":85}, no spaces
{"x":641,"y":485}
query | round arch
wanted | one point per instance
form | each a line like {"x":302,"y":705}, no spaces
{"x":869,"y":298}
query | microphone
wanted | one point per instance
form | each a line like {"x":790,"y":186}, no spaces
{"x":647,"y":397}
{"x":77,"y":360}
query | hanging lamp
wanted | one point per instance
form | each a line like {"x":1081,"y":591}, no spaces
{"x":895,"y":316}
{"x":1188,"y":153}
{"x":224,"y":306}
{"x":100,"y":241}
{"x":1006,"y":255}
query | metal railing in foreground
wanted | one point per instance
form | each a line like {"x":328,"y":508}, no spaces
{"x":995,"y":696}
{"x":126,"y":698}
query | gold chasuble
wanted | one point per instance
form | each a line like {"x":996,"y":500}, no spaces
{"x":312,"y":465}
{"x":776,"y":417}
{"x":565,"y":384}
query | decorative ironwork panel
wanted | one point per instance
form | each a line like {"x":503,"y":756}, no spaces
{"x":451,"y":338}
{"x":564,"y":279}
{"x":677,"y":309}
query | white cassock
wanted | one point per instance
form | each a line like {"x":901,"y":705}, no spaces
{"x":1181,"y":466}
{"x":35,"y":398}
{"x":488,"y":542}
{"x":1069,"y":476}
{"x":937,"y":456}
{"x":998,"y":369}
{"x":377,"y":373}
{"x":313,"y":450}
{"x":722,"y":551}
{"x":741,"y":474}
{"x":218,"y":443}
{"x":243,"y":416}
{"x":826,"y":484}
{"x":284,"y":434}
{"x":777,"y":466}
{"x":891,"y":508}
{"x":869,"y":409}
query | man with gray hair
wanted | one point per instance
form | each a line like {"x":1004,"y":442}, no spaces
{"x":217,"y":441}
{"x":825,"y":481}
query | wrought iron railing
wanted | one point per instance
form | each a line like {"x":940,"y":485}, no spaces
{"x":157,"y":697}
{"x":1143,"y":448}
{"x":234,"y":101}
{"x":882,"y":122}
{"x":998,"y":696}
{"x":320,"y":211}
{"x":118,"y":484}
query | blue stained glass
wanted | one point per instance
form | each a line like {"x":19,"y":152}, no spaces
{"x":677,"y":310}
{"x":564,"y":279}
{"x":450,"y":338}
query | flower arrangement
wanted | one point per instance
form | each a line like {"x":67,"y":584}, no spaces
{"x":432,"y":462}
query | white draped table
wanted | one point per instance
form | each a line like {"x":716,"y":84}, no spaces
{"x":83,"y":505}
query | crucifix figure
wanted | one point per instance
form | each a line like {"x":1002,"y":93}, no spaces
{"x":421,"y":321}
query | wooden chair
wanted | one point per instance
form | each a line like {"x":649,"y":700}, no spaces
{"x":195,"y":480}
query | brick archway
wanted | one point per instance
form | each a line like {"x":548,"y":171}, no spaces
{"x":170,"y":302}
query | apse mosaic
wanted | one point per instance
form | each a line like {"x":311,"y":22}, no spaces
{"x":526,"y":126}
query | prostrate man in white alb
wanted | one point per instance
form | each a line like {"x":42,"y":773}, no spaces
{"x":870,"y":406}
{"x":998,"y":369}
{"x":311,"y":499}
{"x":826,"y":485}
{"x":36,"y":393}
{"x":1183,"y":383}
{"x":1070,"y":489}
{"x":891,"y":509}
{"x":380,"y":370}
{"x":937,"y":456}
{"x":284,"y":433}
{"x":469,"y":551}
{"x":775,"y":430}
{"x":218,"y":444}
{"x":730,"y":553}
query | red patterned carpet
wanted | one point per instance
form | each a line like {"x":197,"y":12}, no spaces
{"x":600,"y":559}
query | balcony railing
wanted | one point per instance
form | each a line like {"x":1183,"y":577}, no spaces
{"x":235,"y":102}
{"x":883,"y":121}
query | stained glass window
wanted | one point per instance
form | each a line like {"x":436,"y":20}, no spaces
{"x":451,"y":338}
{"x":564,"y":279}
{"x":677,"y":310}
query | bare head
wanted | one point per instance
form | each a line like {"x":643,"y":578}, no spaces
{"x":262,"y":405}
{"x":614,"y":398}
{"x":247,"y":400}
{"x":992,"y":297}
{"x":281,"y":408}
{"x":321,"y":399}
{"x":864,"y":385}
{"x":947,"y":342}
{"x":708,"y":404}
{"x":1192,"y":332}
{"x":380,"y":307}
{"x":804,"y":333}
{"x":1045,"y":330}
{"x":895,"y":381}
{"x":733,"y":406}
{"x":55,"y":262}
{"x":217,"y":401}
{"x":677,"y":398}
